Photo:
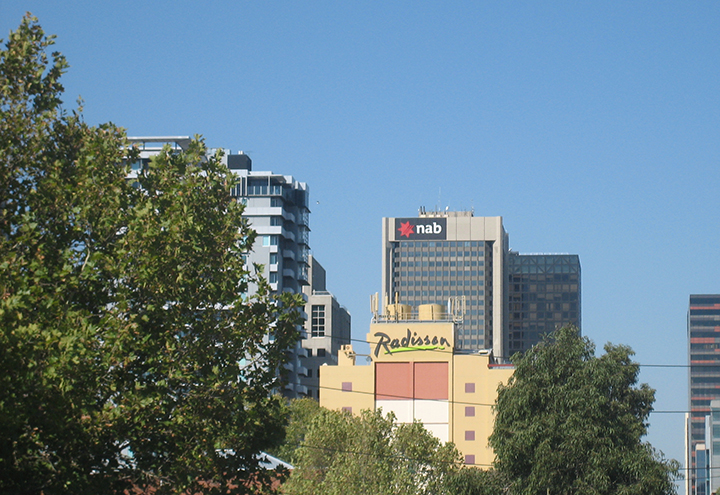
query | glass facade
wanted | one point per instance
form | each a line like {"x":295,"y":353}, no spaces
{"x":431,"y":272}
{"x":703,"y":327}
{"x":544,"y":295}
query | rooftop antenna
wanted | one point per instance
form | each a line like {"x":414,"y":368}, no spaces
{"x":439,"y":203}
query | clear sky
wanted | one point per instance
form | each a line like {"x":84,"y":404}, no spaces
{"x":590,"y":127}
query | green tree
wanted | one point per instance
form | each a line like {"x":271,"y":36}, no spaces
{"x":368,"y":454}
{"x":570,"y":422}
{"x":473,"y":481}
{"x":300,"y":415}
{"x":130,"y":352}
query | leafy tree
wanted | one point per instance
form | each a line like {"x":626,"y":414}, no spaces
{"x":568,"y":422}
{"x":473,"y":481}
{"x":368,"y":454}
{"x":130,"y":352}
{"x":301,"y":413}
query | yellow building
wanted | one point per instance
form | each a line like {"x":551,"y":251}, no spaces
{"x":417,"y":373}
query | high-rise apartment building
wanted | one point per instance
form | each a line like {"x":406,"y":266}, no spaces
{"x":277,"y":207}
{"x":327,"y":329}
{"x":703,"y":327}
{"x":510,"y":300}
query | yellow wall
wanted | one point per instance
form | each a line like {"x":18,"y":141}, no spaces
{"x":462,"y":369}
{"x":473,"y":368}
{"x":362,"y":378}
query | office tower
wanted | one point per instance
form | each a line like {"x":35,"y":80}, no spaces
{"x":510,"y":299}
{"x":703,"y":327}
{"x":544,"y":295}
{"x":427,"y":260}
{"x":327,"y":328}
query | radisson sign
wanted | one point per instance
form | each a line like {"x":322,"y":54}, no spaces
{"x":410,"y":342}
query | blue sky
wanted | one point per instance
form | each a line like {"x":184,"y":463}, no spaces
{"x":590,"y":127}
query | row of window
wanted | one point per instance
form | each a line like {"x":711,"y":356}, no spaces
{"x":543,"y":277}
{"x":545,"y":296}
{"x":548,"y":315}
{"x":445,"y":283}
{"x":549,"y":287}
{"x":704,"y":312}
{"x":704,"y":346}
{"x":437,"y":293}
{"x":410,"y":244}
{"x":438,"y":254}
{"x":440,"y":273}
{"x":704,"y":323}
{"x":557,"y":306}
{"x":540,"y":326}
{"x":699,"y":392}
{"x":439,"y":264}
{"x":470,"y":343}
{"x":702,"y":380}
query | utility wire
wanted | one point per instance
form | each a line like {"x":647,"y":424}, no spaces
{"x":474,"y":354}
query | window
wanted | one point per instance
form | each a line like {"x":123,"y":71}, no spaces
{"x":470,"y":435}
{"x":347,"y":386}
{"x":469,"y":411}
{"x":470,"y":459}
{"x":273,"y":258}
{"x":309,"y":352}
{"x":273,"y":277}
{"x":469,"y":388}
{"x":321,"y":353}
{"x":309,"y":373}
{"x":347,"y":409}
{"x":318,"y":321}
{"x":270,"y":240}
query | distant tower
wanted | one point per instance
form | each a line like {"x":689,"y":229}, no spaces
{"x":703,"y":327}
{"x":327,"y":329}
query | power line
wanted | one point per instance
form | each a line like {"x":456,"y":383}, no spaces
{"x":474,"y":354}
{"x":448,"y":401}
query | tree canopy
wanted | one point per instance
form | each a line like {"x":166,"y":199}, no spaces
{"x":368,"y":454}
{"x":131,"y":353}
{"x":569,"y":422}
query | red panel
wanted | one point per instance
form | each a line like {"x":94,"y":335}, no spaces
{"x":431,"y":381}
{"x":393,"y":381}
{"x":703,"y":340}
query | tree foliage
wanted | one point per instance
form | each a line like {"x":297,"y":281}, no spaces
{"x":124,"y":313}
{"x":570,"y":422}
{"x":368,"y":454}
{"x":474,"y":481}
{"x":300,"y":414}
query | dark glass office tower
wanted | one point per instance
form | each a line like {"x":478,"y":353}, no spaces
{"x":544,"y":295}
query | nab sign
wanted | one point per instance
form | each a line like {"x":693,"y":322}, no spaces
{"x":420,"y":228}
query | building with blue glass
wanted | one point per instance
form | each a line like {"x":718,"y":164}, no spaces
{"x":703,"y":422}
{"x":507,"y":301}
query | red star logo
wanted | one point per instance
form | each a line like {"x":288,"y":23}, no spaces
{"x":406,"y":229}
